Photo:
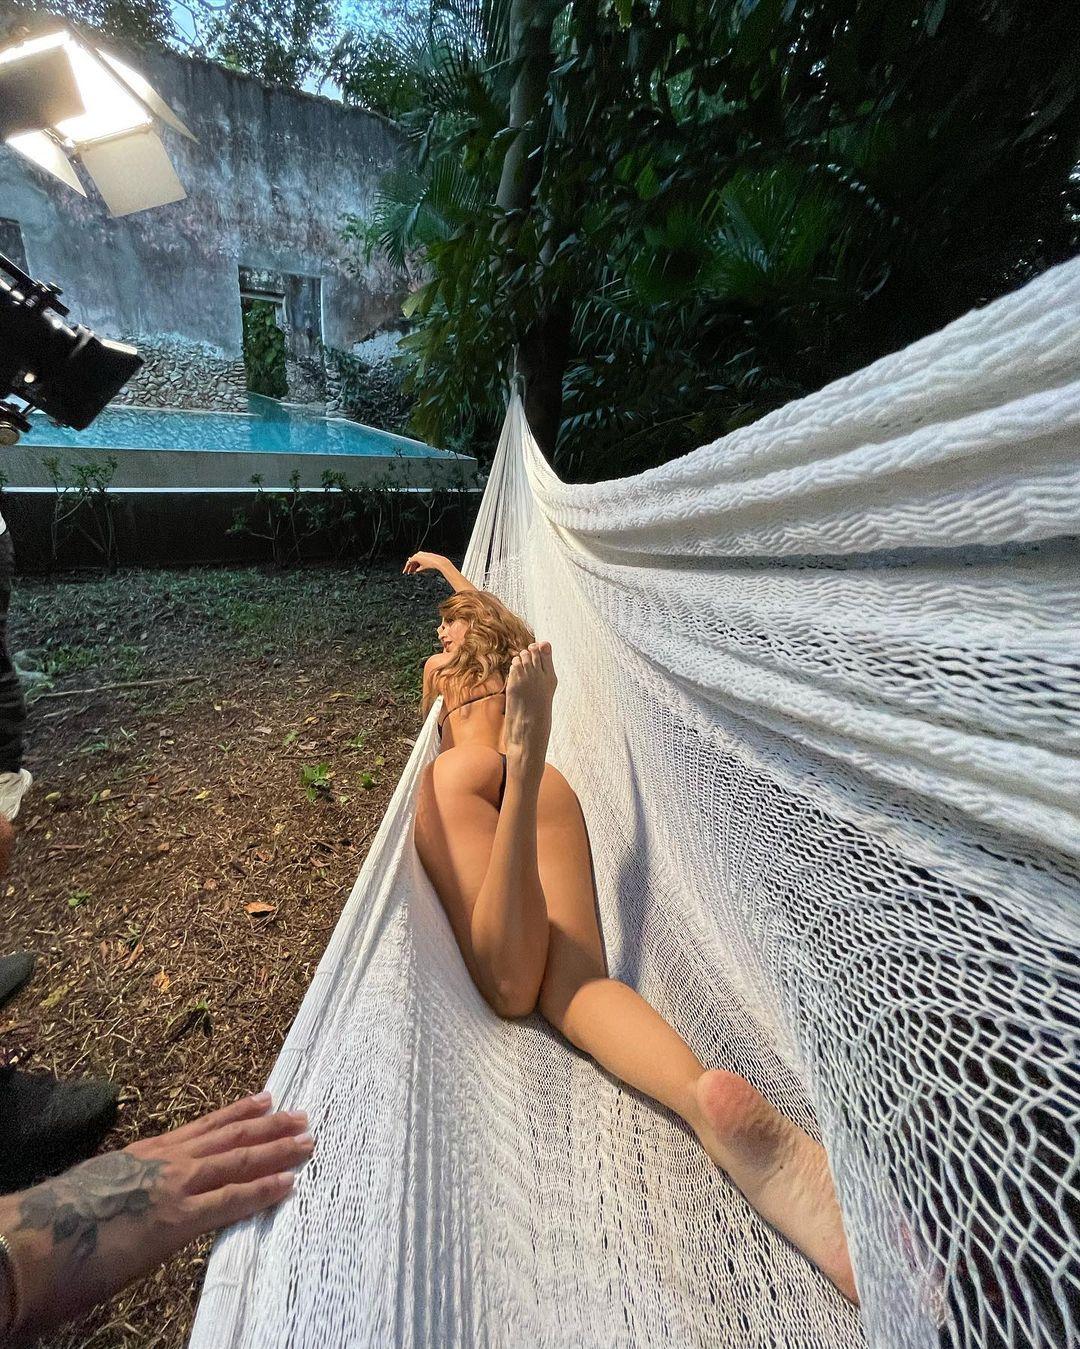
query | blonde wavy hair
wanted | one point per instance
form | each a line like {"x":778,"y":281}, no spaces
{"x":494,"y":637}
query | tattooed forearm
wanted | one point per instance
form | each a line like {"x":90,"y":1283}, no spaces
{"x":76,"y":1204}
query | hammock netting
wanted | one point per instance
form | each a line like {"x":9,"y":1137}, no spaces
{"x":819,"y":686}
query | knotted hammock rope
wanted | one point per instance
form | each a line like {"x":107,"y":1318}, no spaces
{"x":819,"y":694}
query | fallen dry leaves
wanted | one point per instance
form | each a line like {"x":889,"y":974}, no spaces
{"x":213,"y":884}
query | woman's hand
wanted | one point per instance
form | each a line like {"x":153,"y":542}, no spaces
{"x":424,"y":562}
{"x":79,"y":1238}
{"x":436,"y":562}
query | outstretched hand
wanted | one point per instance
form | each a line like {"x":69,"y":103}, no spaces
{"x":423,"y":562}
{"x":79,"y":1238}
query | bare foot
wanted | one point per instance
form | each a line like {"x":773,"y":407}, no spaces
{"x":530,"y":687}
{"x":780,"y":1169}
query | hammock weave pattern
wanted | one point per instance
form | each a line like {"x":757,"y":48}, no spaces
{"x":819,"y":696}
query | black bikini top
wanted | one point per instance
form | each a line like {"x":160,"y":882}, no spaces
{"x":479,"y":697}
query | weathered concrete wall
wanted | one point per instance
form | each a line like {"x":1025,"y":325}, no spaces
{"x":268,"y":182}
{"x":184,"y":470}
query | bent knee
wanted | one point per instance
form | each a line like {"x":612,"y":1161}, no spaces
{"x":510,"y":1002}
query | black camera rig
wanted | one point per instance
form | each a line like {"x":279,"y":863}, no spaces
{"x":66,"y":371}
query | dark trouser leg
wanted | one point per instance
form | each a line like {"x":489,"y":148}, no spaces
{"x":12,"y":703}
{"x":45,"y":1125}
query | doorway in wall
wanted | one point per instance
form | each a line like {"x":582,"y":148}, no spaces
{"x":264,"y":348}
{"x":282,"y":315}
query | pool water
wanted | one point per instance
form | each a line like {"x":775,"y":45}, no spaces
{"x":269,"y":427}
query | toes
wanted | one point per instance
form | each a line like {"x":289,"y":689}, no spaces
{"x":537,"y":655}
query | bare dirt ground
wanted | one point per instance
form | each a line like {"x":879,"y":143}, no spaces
{"x":177,"y":870}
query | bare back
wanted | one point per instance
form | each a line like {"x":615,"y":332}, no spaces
{"x":476,"y":718}
{"x":478,"y":723}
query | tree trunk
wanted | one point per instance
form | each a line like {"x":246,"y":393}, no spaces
{"x":530,"y":41}
{"x":544,"y":352}
{"x":544,"y":347}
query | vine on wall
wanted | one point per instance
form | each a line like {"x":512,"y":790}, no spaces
{"x":264,"y":350}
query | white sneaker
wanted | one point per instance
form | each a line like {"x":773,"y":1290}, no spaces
{"x":13,"y":787}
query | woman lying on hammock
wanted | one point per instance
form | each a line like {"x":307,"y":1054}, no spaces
{"x":502,"y":838}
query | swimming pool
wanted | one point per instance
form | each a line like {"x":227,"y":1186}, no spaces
{"x":275,"y":445}
{"x":269,"y":428}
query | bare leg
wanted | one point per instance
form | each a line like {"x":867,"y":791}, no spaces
{"x":483,"y":861}
{"x":509,"y":927}
{"x":781,"y":1170}
{"x":482,"y":864}
{"x":510,"y":921}
{"x":615,"y":1025}
{"x":537,"y":868}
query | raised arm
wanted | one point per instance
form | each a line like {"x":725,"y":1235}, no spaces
{"x":436,"y":562}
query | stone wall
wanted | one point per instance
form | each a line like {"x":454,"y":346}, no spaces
{"x":366,"y":385}
{"x":307,"y":381}
{"x":182,"y":374}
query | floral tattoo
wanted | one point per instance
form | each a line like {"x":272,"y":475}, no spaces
{"x":77,"y":1203}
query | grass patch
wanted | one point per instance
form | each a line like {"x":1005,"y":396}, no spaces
{"x":251,"y":618}
{"x":121,"y":660}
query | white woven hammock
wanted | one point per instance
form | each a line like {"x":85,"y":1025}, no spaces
{"x":819,"y":685}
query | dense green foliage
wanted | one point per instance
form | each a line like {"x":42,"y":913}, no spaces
{"x":295,"y":43}
{"x":731,"y":204}
{"x":280,"y":41}
{"x":264,"y":350}
{"x":144,"y":21}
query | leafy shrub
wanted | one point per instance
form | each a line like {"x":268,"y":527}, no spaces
{"x":357,"y":521}
{"x":264,"y":350}
{"x":83,"y":506}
